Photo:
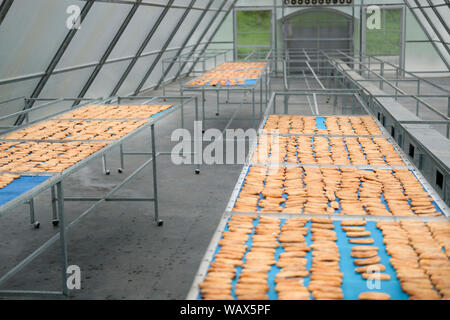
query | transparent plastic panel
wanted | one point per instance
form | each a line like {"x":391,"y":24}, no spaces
{"x":168,"y":56}
{"x":173,"y":71}
{"x":252,"y":3}
{"x":23,"y":52}
{"x":13,"y":90}
{"x":136,"y":31}
{"x":66,"y":85}
{"x":225,"y":32}
{"x":107,"y":78}
{"x":136,"y":75}
{"x":201,"y":28}
{"x":185,"y":28}
{"x":443,"y":11}
{"x":177,"y":65}
{"x":96,"y":33}
{"x":413,"y":29}
{"x":159,"y":1}
{"x":217,"y":4}
{"x":183,"y":3}
{"x":214,"y":26}
{"x":423,"y":21}
{"x":421,"y":56}
{"x":432,"y":18}
{"x":165,"y":29}
{"x":201,"y":3}
{"x":157,"y":72}
{"x":428,"y":51}
{"x":50,"y":110}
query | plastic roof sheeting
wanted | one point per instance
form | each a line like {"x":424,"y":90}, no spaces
{"x":434,"y":16}
{"x":29,"y":45}
{"x":27,"y":55}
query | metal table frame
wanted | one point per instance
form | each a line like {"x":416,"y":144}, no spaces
{"x":212,"y":247}
{"x":209,"y":255}
{"x":264,"y":83}
{"x":55,"y":182}
{"x":199,"y":57}
{"x":272,"y":106}
{"x":340,"y":69}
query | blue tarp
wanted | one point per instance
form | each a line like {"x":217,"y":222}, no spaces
{"x":161,"y":112}
{"x":353,"y":283}
{"x":248,"y":82}
{"x":320,"y":123}
{"x":20,"y":186}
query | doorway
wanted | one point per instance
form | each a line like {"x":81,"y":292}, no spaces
{"x":311,"y":30}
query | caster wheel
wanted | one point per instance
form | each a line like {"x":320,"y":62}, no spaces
{"x":120,"y":170}
{"x":36,"y":225}
{"x":160,"y":223}
{"x":55,"y":223}
{"x":197,"y":171}
{"x":203,"y":130}
{"x":107,"y":172}
{"x":217,"y":114}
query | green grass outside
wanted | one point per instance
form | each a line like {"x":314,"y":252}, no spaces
{"x":385,"y":41}
{"x":254,"y":28}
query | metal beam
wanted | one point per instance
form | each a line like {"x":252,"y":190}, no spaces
{"x":108,"y":51}
{"x":275,"y":36}
{"x":402,"y":61}
{"x":438,"y":34}
{"x":82,"y":66}
{"x":235,"y":36}
{"x":163,"y":49}
{"x":212,"y":35}
{"x":55,"y":60}
{"x":199,"y":20}
{"x":200,"y":39}
{"x":151,"y":3}
{"x":438,"y":15}
{"x":362,"y":30}
{"x":4,"y":8}
{"x":141,"y":48}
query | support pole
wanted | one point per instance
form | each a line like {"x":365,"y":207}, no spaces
{"x":62,"y":237}
{"x":33,"y":221}
{"x":155,"y":182}
{"x":55,"y":219}
{"x":122,"y":160}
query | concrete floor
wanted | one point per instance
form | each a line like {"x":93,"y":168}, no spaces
{"x":121,"y":252}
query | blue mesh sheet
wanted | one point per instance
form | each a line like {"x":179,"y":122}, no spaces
{"x":20,"y":186}
{"x":353,"y":283}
